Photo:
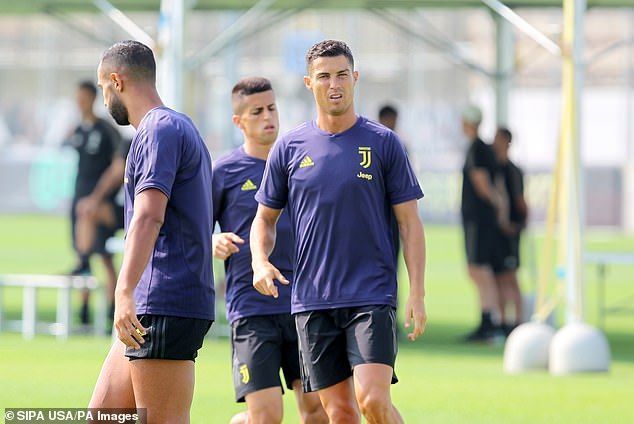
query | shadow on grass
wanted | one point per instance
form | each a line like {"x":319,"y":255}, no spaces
{"x":621,"y":345}
{"x":439,"y":338}
{"x":443,"y":338}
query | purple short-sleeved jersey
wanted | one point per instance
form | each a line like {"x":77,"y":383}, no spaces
{"x":236,"y":178}
{"x":168,"y":154}
{"x":339,"y":190}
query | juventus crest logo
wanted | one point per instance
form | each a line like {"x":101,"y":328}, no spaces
{"x":366,"y":156}
{"x":244,"y":373}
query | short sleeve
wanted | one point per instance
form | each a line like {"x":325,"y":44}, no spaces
{"x":519,"y":181}
{"x":217,"y":189}
{"x":112,"y":138}
{"x":158,"y":158}
{"x":273,"y":191}
{"x":124,"y":148}
{"x":400,"y":179}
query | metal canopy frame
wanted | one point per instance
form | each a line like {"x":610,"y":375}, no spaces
{"x":261,"y":14}
{"x":39,"y":6}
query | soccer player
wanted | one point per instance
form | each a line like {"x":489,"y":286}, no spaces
{"x":388,"y":116}
{"x":164,"y":300}
{"x":338,"y":178}
{"x":100,"y":209}
{"x":96,"y":142}
{"x":480,"y":222}
{"x":508,"y":258}
{"x":263,"y":335}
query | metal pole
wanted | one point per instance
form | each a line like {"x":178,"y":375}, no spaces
{"x":170,"y":49}
{"x":628,"y":168}
{"x":572,"y":81}
{"x":523,"y":25}
{"x":505,"y":61}
{"x":127,"y":24}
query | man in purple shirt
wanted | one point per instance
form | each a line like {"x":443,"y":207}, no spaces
{"x":164,"y":299}
{"x":339,"y":177}
{"x":263,"y":336}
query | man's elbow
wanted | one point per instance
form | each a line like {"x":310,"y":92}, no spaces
{"x":405,"y":228}
{"x":150,"y":219}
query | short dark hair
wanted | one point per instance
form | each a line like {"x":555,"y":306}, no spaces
{"x":329,"y":48}
{"x":506,"y":133}
{"x":89,"y":86}
{"x":246,"y":87}
{"x":387,"y":110}
{"x":136,"y":57}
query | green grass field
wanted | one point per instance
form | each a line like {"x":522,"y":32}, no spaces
{"x":442,"y":380}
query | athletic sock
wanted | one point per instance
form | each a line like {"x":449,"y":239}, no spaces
{"x":83,"y":268}
{"x":485,"y":320}
{"x":84,"y":262}
{"x":84,"y":313}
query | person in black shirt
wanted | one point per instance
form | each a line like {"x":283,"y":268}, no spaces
{"x":100,"y":210}
{"x":96,"y":142}
{"x":479,"y":220}
{"x":388,"y":116}
{"x":507,"y":259}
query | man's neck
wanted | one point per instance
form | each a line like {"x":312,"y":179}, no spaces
{"x":257,"y":150}
{"x":335,"y":124}
{"x":89,"y":118}
{"x":142,"y":103}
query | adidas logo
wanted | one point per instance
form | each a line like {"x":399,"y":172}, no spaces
{"x":307,"y":161}
{"x":248,"y":186}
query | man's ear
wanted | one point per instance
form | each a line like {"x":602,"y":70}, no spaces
{"x":307,"y":82}
{"x":236,"y":121}
{"x":117,"y":81}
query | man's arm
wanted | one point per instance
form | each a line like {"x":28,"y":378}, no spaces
{"x":147,"y":219}
{"x":110,"y":181}
{"x":224,"y":245}
{"x":262,"y":241}
{"x":413,"y":237}
{"x":482,"y":185}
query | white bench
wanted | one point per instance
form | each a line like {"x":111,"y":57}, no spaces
{"x":602,"y":260}
{"x":64,"y":284}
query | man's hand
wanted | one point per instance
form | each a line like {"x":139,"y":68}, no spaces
{"x":129,"y":329}
{"x":415,"y":310}
{"x":509,"y":229}
{"x":263,"y":275}
{"x":224,"y":245}
{"x":87,"y":206}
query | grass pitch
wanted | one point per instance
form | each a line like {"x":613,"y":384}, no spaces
{"x":441,"y":379}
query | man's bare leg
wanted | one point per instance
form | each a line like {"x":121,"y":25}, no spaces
{"x":114,"y":385}
{"x":309,"y":405}
{"x":86,"y":226}
{"x":164,"y":387}
{"x":372,"y":387}
{"x":483,"y":278}
{"x":265,"y":406}
{"x":340,"y":403}
{"x":85,"y":236}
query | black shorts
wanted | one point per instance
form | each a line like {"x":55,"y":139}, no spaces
{"x":118,"y":216}
{"x":261,"y":345}
{"x":333,"y":341}
{"x":480,"y":243}
{"x":103,"y":232}
{"x":170,"y":338}
{"x":507,"y":254}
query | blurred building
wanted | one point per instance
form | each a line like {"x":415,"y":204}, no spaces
{"x":420,"y":60}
